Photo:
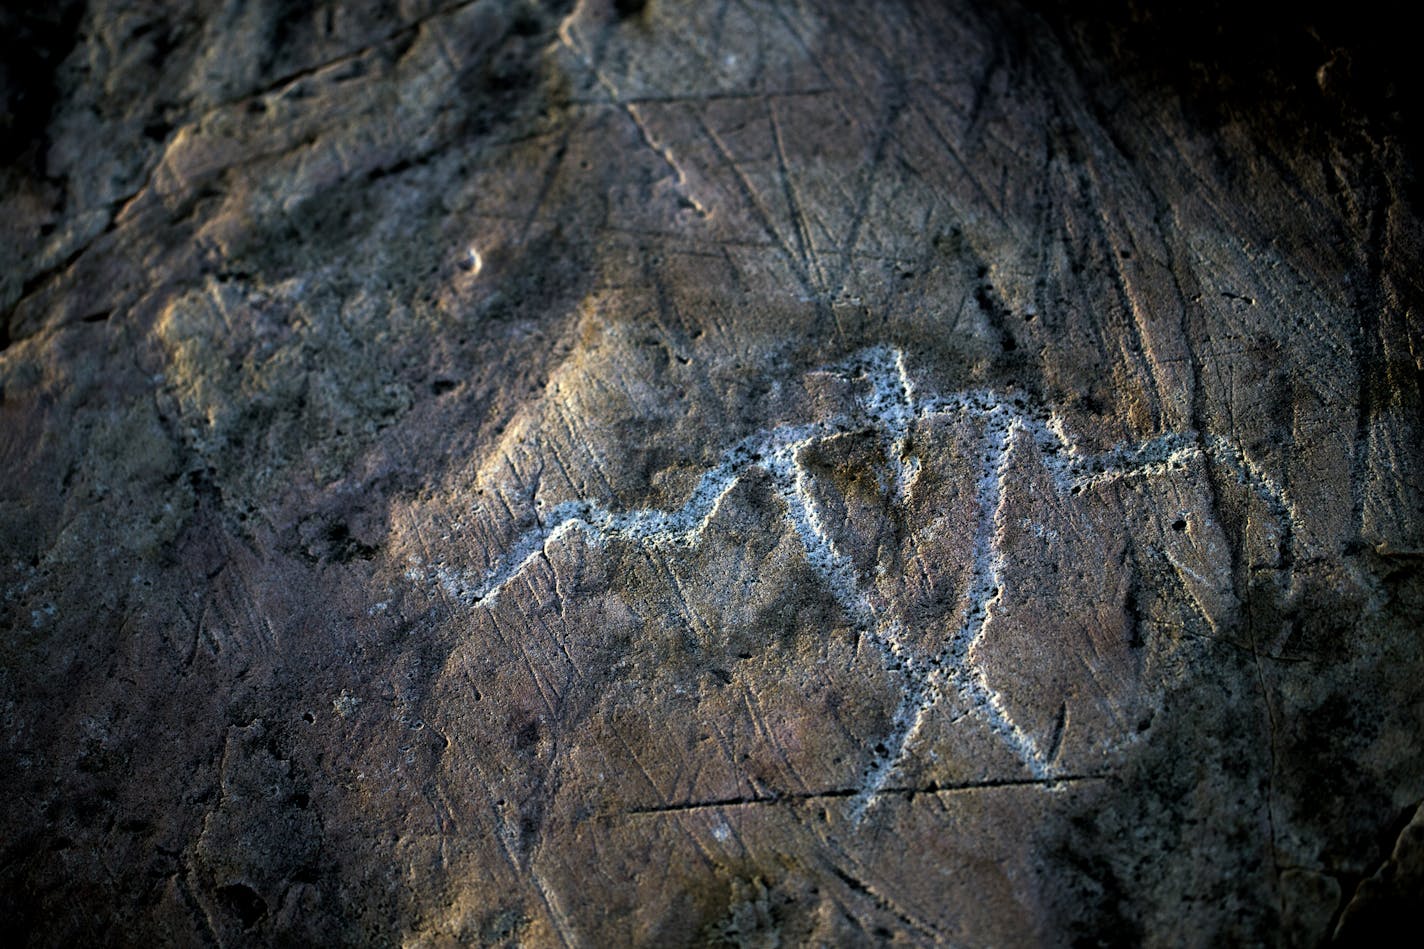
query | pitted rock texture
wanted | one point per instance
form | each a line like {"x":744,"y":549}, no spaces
{"x":735,"y":473}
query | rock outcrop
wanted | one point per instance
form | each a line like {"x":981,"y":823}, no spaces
{"x":534,"y":473}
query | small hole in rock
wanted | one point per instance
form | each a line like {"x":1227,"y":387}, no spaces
{"x":243,"y":901}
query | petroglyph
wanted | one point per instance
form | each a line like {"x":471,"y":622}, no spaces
{"x":887,"y":408}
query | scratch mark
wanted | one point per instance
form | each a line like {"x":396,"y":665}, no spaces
{"x":793,"y":204}
{"x":629,"y":108}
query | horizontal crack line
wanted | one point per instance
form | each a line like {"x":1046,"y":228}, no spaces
{"x":803,"y":797}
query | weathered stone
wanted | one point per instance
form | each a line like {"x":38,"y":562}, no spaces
{"x":617,"y":473}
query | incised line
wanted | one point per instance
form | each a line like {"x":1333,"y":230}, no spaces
{"x":889,"y":410}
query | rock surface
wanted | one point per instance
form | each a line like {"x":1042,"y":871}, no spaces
{"x":707,"y":473}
